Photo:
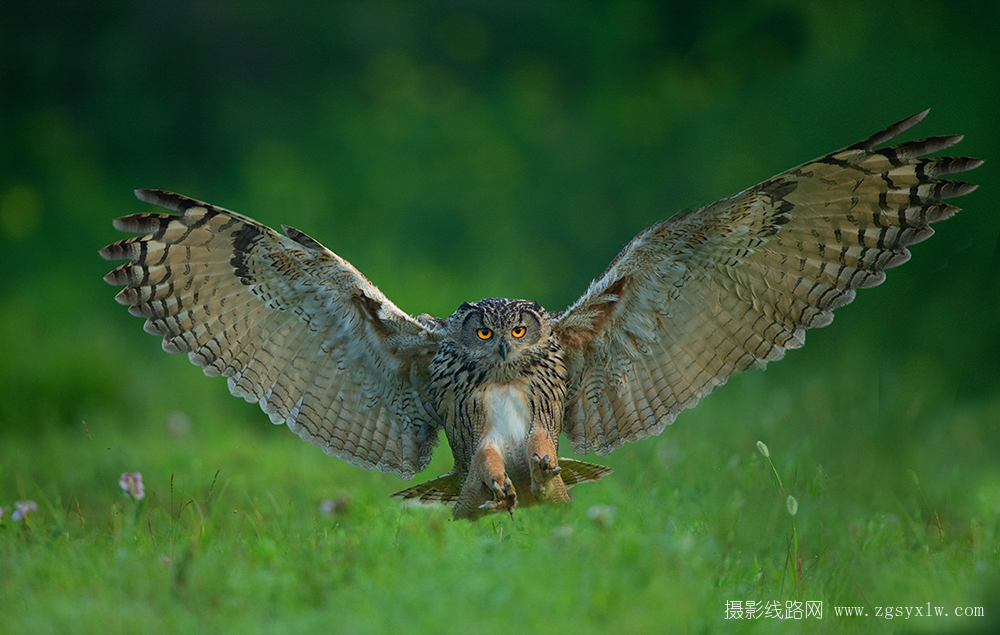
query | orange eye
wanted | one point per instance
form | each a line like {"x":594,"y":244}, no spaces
{"x":484,"y":334}
{"x":519,"y":331}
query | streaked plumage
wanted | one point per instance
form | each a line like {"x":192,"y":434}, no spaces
{"x":686,"y":304}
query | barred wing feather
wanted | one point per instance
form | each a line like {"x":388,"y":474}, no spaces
{"x":293,"y":326}
{"x":733,"y":285}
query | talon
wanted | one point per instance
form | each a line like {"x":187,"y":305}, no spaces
{"x":504,"y":496}
{"x":504,"y":490}
{"x":543,"y":470}
{"x":542,"y":462}
{"x":544,"y":465}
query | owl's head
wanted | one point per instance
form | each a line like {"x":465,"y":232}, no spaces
{"x":499,"y":330}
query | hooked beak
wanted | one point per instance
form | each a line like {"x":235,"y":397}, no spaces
{"x":503,"y":348}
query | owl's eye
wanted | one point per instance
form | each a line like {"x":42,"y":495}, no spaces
{"x":519,"y":331}
{"x":484,"y":334}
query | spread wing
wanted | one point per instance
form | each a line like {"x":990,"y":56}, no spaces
{"x":733,"y":285}
{"x":292,"y":325}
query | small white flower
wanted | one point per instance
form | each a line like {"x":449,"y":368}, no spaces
{"x":562,"y":531}
{"x":332,"y":506}
{"x":22,"y":509}
{"x":178,"y":423}
{"x":131,"y":484}
{"x":792,"y":505}
{"x":601,"y":515}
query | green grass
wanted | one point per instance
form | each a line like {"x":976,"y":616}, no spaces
{"x":898,"y":504}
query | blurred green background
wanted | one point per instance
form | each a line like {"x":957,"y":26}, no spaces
{"x":458,"y":150}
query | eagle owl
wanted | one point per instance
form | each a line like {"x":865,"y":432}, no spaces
{"x":686,"y":304}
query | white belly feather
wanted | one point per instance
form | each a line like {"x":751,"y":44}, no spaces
{"x":508,"y":419}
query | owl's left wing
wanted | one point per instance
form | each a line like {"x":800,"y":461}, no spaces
{"x":733,"y":285}
{"x":293,"y":326}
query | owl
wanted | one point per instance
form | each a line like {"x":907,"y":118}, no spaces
{"x":686,"y":304}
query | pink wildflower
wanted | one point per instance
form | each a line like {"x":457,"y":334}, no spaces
{"x":22,"y":509}
{"x":332,"y":506}
{"x":131,"y":484}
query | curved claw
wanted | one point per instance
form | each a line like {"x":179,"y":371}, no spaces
{"x":543,"y":470}
{"x":543,"y":464}
{"x":504,"y":496}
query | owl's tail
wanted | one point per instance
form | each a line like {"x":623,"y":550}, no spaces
{"x":574,"y":471}
{"x":445,"y":489}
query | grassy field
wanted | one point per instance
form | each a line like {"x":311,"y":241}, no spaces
{"x":232,"y":537}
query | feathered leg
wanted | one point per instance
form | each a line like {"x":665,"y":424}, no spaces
{"x":487,"y":487}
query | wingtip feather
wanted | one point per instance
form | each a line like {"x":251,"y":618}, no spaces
{"x":151,"y":196}
{"x":167,"y":200}
{"x":893,"y":130}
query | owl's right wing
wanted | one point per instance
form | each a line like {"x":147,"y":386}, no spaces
{"x":733,"y":285}
{"x":293,"y":326}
